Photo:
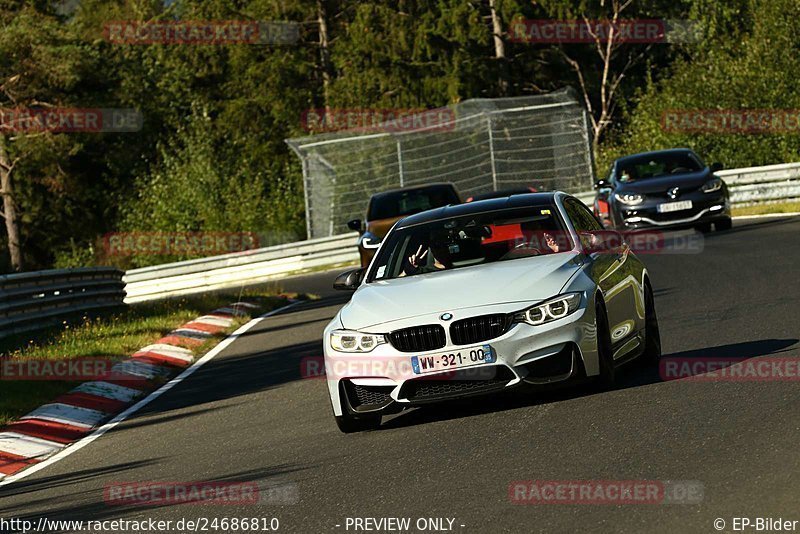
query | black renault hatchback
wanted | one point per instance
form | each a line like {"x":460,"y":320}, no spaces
{"x":663,"y":189}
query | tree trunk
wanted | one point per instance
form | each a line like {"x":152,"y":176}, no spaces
{"x":9,"y":209}
{"x":324,"y":53}
{"x":499,"y":46}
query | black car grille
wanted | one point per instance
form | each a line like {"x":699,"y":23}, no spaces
{"x":372,"y":395}
{"x":418,"y":338}
{"x":422,"y":389}
{"x":477,"y":329}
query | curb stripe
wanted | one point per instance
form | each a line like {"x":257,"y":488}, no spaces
{"x":189,"y":332}
{"x":92,"y":402}
{"x":244,"y":305}
{"x":228,"y":311}
{"x":168,"y":350}
{"x":202,"y":327}
{"x":216,"y":321}
{"x":180,"y":359}
{"x":151,"y":358}
{"x":48,"y":430}
{"x":142,"y":369}
{"x":109,"y":391}
{"x":180,"y":341}
{"x":27,"y":447}
{"x":11,"y":463}
{"x":68,"y":415}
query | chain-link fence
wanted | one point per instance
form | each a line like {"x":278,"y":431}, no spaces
{"x":483,"y":145}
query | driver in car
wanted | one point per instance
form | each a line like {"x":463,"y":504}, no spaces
{"x":435,"y":257}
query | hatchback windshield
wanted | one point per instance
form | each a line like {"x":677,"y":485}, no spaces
{"x":471,"y":240}
{"x":408,"y":202}
{"x":654,"y":166}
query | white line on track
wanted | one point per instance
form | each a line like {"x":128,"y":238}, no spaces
{"x":83,"y":442}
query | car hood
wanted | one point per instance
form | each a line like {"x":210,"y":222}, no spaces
{"x":687,"y":182}
{"x":518,"y":280}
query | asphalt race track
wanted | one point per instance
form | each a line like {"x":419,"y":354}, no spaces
{"x":247,"y":416}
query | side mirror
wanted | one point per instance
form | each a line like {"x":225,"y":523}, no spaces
{"x":602,"y":241}
{"x":716,"y":167}
{"x":602,"y":183}
{"x":349,"y":280}
{"x":354,"y":225}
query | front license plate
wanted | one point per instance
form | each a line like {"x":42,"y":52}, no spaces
{"x":456,"y":359}
{"x":675,"y":206}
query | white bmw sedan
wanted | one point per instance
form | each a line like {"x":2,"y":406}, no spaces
{"x":476,"y":298}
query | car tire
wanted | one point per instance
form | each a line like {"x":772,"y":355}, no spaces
{"x":605,"y":355}
{"x":652,"y":334}
{"x":723,"y":224}
{"x":349,"y":424}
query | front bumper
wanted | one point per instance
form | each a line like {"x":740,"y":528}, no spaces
{"x":384,"y":381}
{"x":704,"y":210}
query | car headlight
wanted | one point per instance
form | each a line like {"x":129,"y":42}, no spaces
{"x":550,"y":310}
{"x":712,"y":185}
{"x":631,"y":199}
{"x":351,"y":341}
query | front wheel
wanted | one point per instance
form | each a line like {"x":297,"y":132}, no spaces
{"x":605,"y":354}
{"x":349,"y":424}
{"x":652,"y":335}
{"x":723,"y":224}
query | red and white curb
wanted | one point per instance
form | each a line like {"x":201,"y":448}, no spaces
{"x":76,"y":418}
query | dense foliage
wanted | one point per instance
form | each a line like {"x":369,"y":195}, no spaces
{"x":211,"y":154}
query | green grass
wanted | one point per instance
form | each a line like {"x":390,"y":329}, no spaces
{"x":763,"y":209}
{"x":115,"y":337}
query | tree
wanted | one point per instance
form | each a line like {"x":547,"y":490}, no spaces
{"x":602,"y":65}
{"x":39,"y":68}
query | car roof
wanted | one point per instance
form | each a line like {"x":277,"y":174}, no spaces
{"x":479,"y":206}
{"x":669,"y":151}
{"x":502,"y":193}
{"x":438,"y":185}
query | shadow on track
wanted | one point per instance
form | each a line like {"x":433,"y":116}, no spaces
{"x":630,"y":376}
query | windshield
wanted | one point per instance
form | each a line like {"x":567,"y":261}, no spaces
{"x":654,"y":166}
{"x":471,"y":240}
{"x":400,"y":203}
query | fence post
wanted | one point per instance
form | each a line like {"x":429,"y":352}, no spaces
{"x":400,"y":162}
{"x":306,"y":190}
{"x":589,"y":156}
{"x":491,"y":151}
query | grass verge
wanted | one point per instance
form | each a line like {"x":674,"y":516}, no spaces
{"x":114,"y":337}
{"x":763,"y":209}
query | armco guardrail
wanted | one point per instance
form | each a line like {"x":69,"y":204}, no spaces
{"x":774,"y":182}
{"x":763,"y":184}
{"x":34,"y":300}
{"x":238,"y":268}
